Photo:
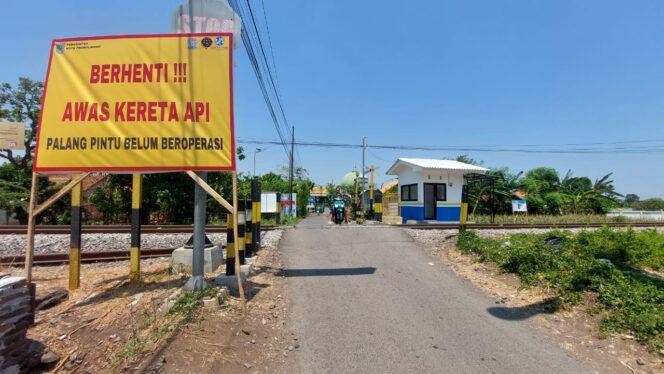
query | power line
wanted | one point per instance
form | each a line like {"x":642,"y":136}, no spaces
{"x":269,"y":39}
{"x":259,"y":62}
{"x":518,"y":149}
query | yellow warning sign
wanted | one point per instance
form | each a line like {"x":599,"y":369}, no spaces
{"x":138,"y":103}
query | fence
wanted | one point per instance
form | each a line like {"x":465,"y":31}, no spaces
{"x":391,"y":208}
{"x":638,"y":215}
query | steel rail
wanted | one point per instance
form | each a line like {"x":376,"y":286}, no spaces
{"x":50,"y":259}
{"x":117,"y":229}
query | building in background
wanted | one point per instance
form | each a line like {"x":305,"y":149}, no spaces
{"x":430,"y":189}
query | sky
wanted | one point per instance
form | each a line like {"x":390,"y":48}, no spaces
{"x":430,"y":73}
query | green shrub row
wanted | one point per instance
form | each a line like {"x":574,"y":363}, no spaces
{"x":591,"y":261}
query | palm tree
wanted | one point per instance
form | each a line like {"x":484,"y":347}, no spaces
{"x":603,"y":194}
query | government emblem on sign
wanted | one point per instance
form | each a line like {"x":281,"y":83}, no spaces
{"x":206,"y":42}
{"x":192,"y":43}
{"x":219,"y":41}
{"x":60,"y":48}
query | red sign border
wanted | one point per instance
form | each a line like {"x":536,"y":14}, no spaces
{"x":233,"y":166}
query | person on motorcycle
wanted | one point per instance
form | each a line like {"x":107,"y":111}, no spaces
{"x":338,"y":197}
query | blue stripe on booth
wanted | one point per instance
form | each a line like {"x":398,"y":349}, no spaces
{"x":448,"y":213}
{"x":412,"y":213}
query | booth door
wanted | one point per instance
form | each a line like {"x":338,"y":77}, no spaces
{"x":429,"y":201}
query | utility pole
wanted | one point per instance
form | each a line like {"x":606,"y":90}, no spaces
{"x":258,"y":150}
{"x":290,"y":189}
{"x":364,"y":148}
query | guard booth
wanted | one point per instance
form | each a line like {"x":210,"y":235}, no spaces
{"x":430,"y":190}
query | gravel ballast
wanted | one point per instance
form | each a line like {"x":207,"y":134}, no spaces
{"x":59,"y":243}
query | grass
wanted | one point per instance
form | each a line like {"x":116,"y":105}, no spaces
{"x":597,"y":261}
{"x":185,"y":310}
{"x":189,"y":303}
{"x":285,"y":220}
{"x":550,"y":219}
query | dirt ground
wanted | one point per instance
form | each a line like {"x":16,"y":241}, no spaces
{"x":229,"y":342}
{"x":575,"y":329}
{"x":111,"y":326}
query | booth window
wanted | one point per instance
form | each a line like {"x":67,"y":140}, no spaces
{"x":441,"y":192}
{"x":409,"y":192}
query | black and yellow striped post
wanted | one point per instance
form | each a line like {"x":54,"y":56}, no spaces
{"x":135,"y":252}
{"x":241,"y":230}
{"x":464,"y":208}
{"x":230,"y":245}
{"x":378,"y":210}
{"x":256,"y":211}
{"x":249,"y":227}
{"x":75,"y":238}
{"x":278,"y":216}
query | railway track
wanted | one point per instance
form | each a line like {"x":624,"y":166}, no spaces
{"x":508,"y":226}
{"x":86,"y":257}
{"x":117,"y":229}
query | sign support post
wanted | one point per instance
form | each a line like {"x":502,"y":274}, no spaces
{"x":237,"y":262}
{"x":34,"y":211}
{"x":30,"y":240}
{"x":197,"y":280}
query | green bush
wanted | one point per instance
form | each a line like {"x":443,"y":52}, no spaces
{"x":633,"y":303}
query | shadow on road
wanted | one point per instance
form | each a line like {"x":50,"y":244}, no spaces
{"x":547,"y":306}
{"x":328,"y":272}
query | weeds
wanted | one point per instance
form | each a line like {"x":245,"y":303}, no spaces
{"x":189,"y":304}
{"x":591,"y":261}
{"x":134,"y":345}
{"x":185,"y":310}
{"x":551,"y":219}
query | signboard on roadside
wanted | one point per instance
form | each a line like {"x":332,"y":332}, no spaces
{"x":12,"y":136}
{"x":288,"y":206}
{"x":269,"y":202}
{"x":519,"y":206}
{"x":205,"y":16}
{"x":134,"y":103}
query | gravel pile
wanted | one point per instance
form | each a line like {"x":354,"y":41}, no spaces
{"x":430,"y":236}
{"x":55,"y":243}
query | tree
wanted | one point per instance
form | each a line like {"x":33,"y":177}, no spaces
{"x":22,"y":104}
{"x":603,"y":196}
{"x":112,"y":198}
{"x":649,"y":204}
{"x":504,"y":186}
{"x":631,"y":198}
{"x":468,"y":160}
{"x":538,"y":183}
{"x":577,"y":190}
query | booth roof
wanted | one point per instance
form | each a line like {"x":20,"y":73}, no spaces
{"x":434,"y":164}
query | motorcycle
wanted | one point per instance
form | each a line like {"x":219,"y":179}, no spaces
{"x":338,"y":210}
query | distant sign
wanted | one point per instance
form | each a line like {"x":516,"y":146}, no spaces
{"x":288,"y":206}
{"x":519,"y":206}
{"x":268,"y":202}
{"x":12,"y":135}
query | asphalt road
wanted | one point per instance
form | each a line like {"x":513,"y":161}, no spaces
{"x":367,"y":300}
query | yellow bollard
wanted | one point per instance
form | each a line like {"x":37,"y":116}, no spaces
{"x":75,"y":238}
{"x":135,"y":252}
